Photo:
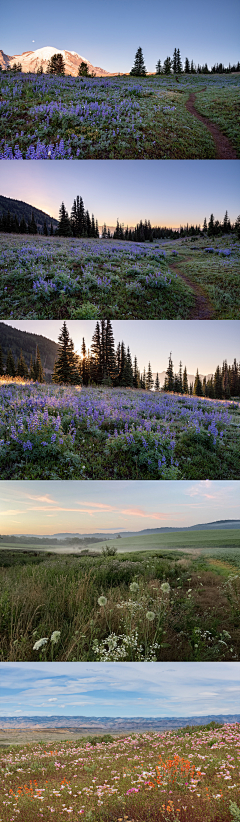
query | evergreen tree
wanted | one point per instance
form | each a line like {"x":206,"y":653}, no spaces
{"x":197,"y":389}
{"x":187,"y":66}
{"x":174,"y":62}
{"x":192,"y":69}
{"x":205,"y":224}
{"x":31,"y":369}
{"x":10,"y":364}
{"x":104,"y":232}
{"x":84,"y":369}
{"x":136,"y":375}
{"x":139,"y":69}
{"x":37,"y":368}
{"x":167,"y":65}
{"x":211,"y":226}
{"x":158,"y":67}
{"x":56,"y":65}
{"x":96,"y":357}
{"x":143,"y":379}
{"x":122,"y":362}
{"x":169,"y":379}
{"x":45,"y":230}
{"x":127,"y":376}
{"x":149,"y":378}
{"x":180,"y":378}
{"x":66,"y":368}
{"x":78,"y":217}
{"x":157,"y":383}
{"x":51,"y":230}
{"x":83,"y":70}
{"x":110,"y":357}
{"x":32,"y":226}
{"x":185,"y":381}
{"x":64,"y":225}
{"x":22,"y":370}
{"x":218,"y":392}
{"x":23,"y":226}
{"x":1,"y":362}
{"x":179,"y":62}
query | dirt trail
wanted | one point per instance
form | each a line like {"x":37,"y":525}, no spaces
{"x":223,"y":146}
{"x":202,"y":310}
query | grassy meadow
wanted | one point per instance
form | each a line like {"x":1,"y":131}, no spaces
{"x":147,"y":602}
{"x":47,"y":117}
{"x":192,"y":773}
{"x":65,"y":432}
{"x":61,"y":278}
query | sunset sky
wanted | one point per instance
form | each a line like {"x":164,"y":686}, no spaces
{"x":131,"y":689}
{"x":167,"y":193}
{"x":51,"y":507}
{"x":108,"y":35}
{"x":199,"y":344}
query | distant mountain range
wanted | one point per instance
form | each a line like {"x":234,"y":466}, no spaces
{"x":31,"y":61}
{"x":118,"y":724}
{"x":23,"y":340}
{"x":61,"y":537}
{"x":21,"y":209}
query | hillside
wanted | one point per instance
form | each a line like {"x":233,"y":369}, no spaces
{"x":23,"y":340}
{"x":31,"y":61}
{"x":21,"y":209}
{"x":117,"y":724}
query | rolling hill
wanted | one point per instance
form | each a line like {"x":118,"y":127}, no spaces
{"x":20,"y":209}
{"x":23,"y":340}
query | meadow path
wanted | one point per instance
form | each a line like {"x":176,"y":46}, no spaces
{"x":223,"y":146}
{"x":202,"y":310}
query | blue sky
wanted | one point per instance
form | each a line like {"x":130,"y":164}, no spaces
{"x":108,"y":34}
{"x":50,"y":507}
{"x":116,"y":689}
{"x":199,"y":344}
{"x":165,"y":192}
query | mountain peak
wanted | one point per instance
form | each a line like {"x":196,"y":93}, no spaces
{"x":31,"y":61}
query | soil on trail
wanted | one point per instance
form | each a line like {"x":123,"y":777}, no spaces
{"x":202,"y":310}
{"x":223,"y":146}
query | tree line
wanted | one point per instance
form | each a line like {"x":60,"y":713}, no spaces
{"x":106,"y":365}
{"x":80,"y":224}
{"x":223,"y":385}
{"x":174,"y":66}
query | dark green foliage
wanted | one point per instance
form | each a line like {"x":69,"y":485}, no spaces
{"x":139,"y":69}
{"x":64,"y":226}
{"x":45,"y":230}
{"x":83,"y":70}
{"x":185,"y":381}
{"x":23,"y":213}
{"x":158,"y":67}
{"x":149,"y":378}
{"x":1,"y":362}
{"x":169,"y":379}
{"x":198,"y":389}
{"x":187,"y":66}
{"x":66,"y":368}
{"x":157,"y":383}
{"x":32,"y":225}
{"x":10,"y":365}
{"x":14,"y":339}
{"x":167,"y":65}
{"x":56,"y":65}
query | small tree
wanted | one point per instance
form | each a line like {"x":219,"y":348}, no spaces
{"x":45,"y":228}
{"x":10,"y":364}
{"x":157,"y":383}
{"x":149,"y":379}
{"x":66,"y":368}
{"x":185,"y":382}
{"x":159,"y":67}
{"x":83,"y":70}
{"x":56,"y":65}
{"x":167,"y":65}
{"x":187,"y":66}
{"x":64,"y":226}
{"x":37,"y":368}
{"x":139,"y":69}
{"x":198,"y":389}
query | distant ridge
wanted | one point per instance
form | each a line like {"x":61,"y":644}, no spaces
{"x":26,"y":341}
{"x":22,"y":209}
{"x":225,"y":524}
{"x":116,"y":724}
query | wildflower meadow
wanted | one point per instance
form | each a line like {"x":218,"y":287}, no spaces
{"x":68,"y":432}
{"x":46,"y":117}
{"x":141,"y":603}
{"x":183,"y":775}
{"x":61,"y":278}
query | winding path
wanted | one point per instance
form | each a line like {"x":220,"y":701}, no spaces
{"x":202,"y":310}
{"x":223,"y":146}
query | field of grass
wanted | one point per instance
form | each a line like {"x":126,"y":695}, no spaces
{"x":190,"y":774}
{"x":54,"y":277}
{"x":53,"y":432}
{"x":145,"y":605}
{"x":54,"y":118}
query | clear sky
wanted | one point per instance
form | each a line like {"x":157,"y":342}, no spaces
{"x":108,"y":34}
{"x":165,"y":192}
{"x":40,"y":507}
{"x":199,"y":344}
{"x":154,"y":689}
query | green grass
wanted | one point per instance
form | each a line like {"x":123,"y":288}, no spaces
{"x":194,"y":599}
{"x":146,"y":119}
{"x":222,"y":108}
{"x":51,"y":277}
{"x":156,"y":777}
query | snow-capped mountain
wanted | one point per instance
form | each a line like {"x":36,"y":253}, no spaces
{"x":32,"y":60}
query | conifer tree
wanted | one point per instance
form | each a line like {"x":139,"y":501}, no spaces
{"x":185,"y":381}
{"x":83,"y":70}
{"x":179,"y":62}
{"x":136,"y":377}
{"x":167,"y":65}
{"x":187,"y":66}
{"x":143,"y":379}
{"x":174,"y":62}
{"x":23,"y":226}
{"x":197,"y":389}
{"x":149,"y":378}
{"x":84,"y":373}
{"x":56,"y":64}
{"x":218,"y":392}
{"x":66,"y":368}
{"x":139,"y":69}
{"x":22,"y":370}
{"x":169,"y":379}
{"x":211,"y":226}
{"x":158,"y":67}
{"x":96,"y":370}
{"x":37,"y":367}
{"x":31,"y":369}
{"x":180,"y":378}
{"x":157,"y":383}
{"x":64,"y":225}
{"x":127,"y":375}
{"x":32,"y":226}
{"x":45,"y":229}
{"x":51,"y":230}
{"x":10,"y":364}
{"x":110,"y":357}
